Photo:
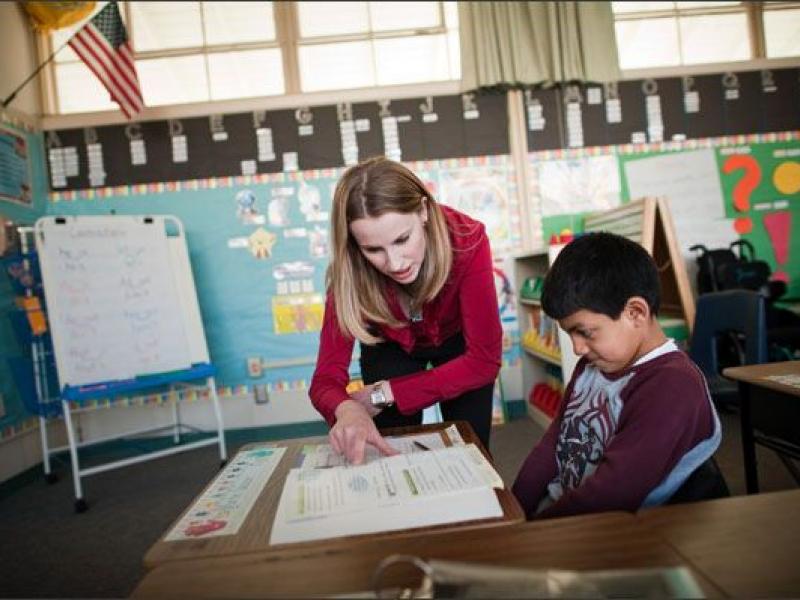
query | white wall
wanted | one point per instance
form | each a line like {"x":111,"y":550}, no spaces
{"x":18,"y":52}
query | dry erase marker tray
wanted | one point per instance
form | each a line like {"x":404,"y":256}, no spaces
{"x":111,"y":388}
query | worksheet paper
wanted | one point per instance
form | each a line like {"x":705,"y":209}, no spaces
{"x":419,"y":489}
{"x":323,"y":456}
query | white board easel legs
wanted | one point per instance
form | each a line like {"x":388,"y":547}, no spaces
{"x":78,"y":473}
{"x":212,"y":386}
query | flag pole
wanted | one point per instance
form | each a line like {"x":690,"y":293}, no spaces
{"x":13,"y":94}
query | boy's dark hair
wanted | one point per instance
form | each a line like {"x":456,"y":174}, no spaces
{"x":600,"y":272}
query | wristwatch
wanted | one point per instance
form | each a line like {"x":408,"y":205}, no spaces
{"x":377,"y":397}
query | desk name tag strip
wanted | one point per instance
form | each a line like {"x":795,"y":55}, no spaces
{"x":224,"y":506}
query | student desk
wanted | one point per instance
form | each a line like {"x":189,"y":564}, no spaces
{"x":254,"y":533}
{"x":770,"y":413}
{"x":602,"y":541}
{"x":748,"y":546}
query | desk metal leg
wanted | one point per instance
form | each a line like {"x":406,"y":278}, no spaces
{"x":748,"y":443}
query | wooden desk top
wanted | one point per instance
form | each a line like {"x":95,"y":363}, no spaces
{"x":747,"y":545}
{"x":756,"y":375}
{"x":254,"y":533}
{"x":603,"y":541}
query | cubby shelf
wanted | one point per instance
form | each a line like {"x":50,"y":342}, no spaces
{"x":553,"y":360}
{"x":537,"y":365}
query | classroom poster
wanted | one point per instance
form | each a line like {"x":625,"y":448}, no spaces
{"x":761,"y":184}
{"x":487,"y":193}
{"x":15,"y":171}
{"x":565,"y":185}
{"x":578,"y":185}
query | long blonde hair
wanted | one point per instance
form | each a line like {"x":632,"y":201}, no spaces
{"x":370,"y":189}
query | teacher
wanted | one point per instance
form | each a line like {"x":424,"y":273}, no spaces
{"x":412,"y":281}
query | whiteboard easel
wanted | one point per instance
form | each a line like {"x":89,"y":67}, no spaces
{"x":124,"y":317}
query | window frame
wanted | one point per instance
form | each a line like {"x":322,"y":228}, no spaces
{"x":287,"y":37}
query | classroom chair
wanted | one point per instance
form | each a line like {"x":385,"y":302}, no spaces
{"x":705,"y":483}
{"x":738,"y":316}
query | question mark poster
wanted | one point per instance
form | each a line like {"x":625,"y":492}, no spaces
{"x":761,"y":184}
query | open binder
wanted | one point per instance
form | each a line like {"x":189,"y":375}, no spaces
{"x":449,"y":579}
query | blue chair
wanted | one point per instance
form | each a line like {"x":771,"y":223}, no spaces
{"x":705,"y":483}
{"x":739,"y":318}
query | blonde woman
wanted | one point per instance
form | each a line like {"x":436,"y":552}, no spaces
{"x":412,"y":281}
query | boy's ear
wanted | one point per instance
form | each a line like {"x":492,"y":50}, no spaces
{"x":637,"y":310}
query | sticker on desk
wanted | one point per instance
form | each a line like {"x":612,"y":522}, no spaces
{"x":224,"y":506}
{"x":790,"y":380}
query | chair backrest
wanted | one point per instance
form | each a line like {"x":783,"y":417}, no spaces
{"x":740,"y":311}
{"x":705,"y":483}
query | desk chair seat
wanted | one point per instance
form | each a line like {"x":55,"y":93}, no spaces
{"x":705,"y":483}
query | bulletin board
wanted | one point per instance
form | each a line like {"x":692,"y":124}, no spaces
{"x":732,"y":191}
{"x":727,"y":191}
{"x":260,"y":247}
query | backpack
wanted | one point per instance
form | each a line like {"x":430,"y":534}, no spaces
{"x":722,"y":269}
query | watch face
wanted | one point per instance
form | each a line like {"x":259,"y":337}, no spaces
{"x":377,"y":398}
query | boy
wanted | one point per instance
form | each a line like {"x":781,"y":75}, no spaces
{"x":637,"y":418}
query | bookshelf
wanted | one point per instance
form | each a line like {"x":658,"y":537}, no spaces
{"x":546,"y":367}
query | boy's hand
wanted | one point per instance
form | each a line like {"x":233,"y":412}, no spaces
{"x":353,"y":430}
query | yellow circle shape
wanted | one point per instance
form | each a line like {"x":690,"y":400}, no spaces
{"x":786,"y":177}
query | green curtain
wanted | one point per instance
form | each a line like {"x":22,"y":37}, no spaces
{"x":536,"y":43}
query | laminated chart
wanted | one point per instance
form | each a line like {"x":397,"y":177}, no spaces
{"x":225,"y":504}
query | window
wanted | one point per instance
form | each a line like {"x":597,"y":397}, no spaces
{"x":190,"y":52}
{"x":676,"y":34}
{"x":185,"y":52}
{"x":361,"y":44}
{"x":782,"y":29}
{"x":663,"y":34}
{"x":202,"y":51}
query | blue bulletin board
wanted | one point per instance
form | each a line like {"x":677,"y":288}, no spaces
{"x":259,"y":248}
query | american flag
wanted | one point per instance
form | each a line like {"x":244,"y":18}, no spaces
{"x":102,"y":44}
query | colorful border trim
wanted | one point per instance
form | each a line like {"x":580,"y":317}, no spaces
{"x":12,"y":430}
{"x":212,"y":183}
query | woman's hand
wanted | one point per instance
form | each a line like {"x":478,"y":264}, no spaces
{"x":353,"y":430}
